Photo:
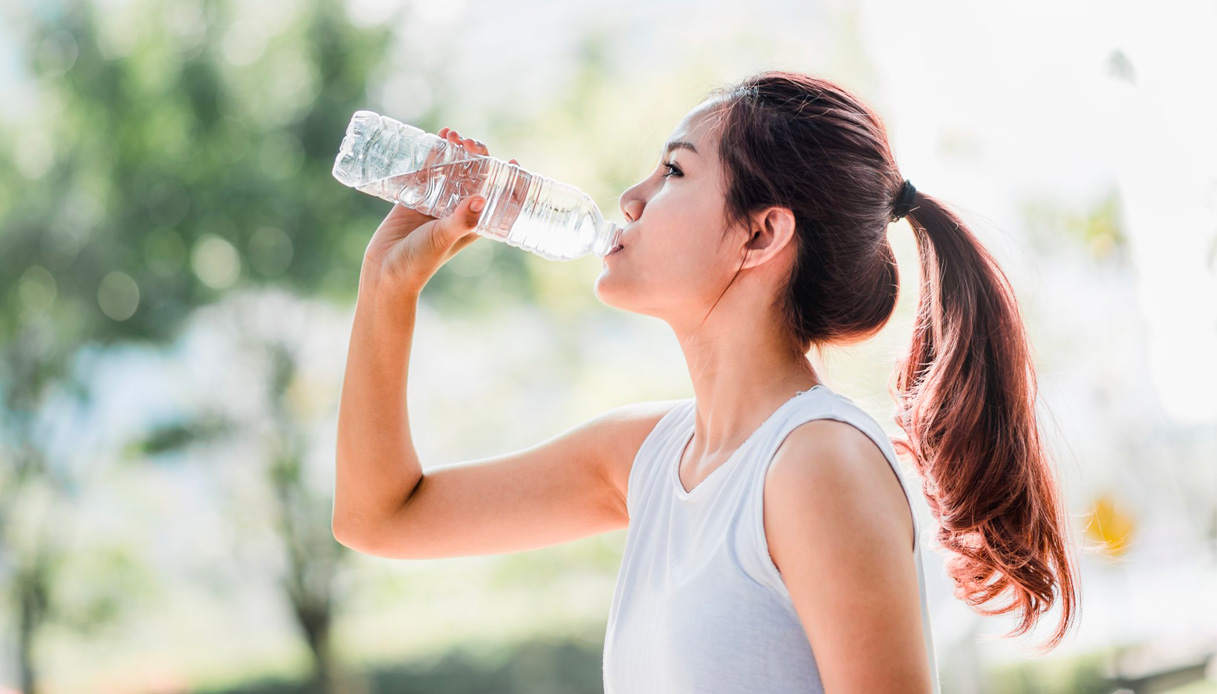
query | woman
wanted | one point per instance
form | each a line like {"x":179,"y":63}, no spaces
{"x":771,"y":543}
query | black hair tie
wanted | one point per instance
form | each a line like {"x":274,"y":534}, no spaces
{"x":904,"y":202}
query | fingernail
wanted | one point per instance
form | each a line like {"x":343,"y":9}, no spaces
{"x":477,"y":205}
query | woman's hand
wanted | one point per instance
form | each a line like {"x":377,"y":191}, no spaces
{"x":409,"y":247}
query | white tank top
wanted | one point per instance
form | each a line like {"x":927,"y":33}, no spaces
{"x":699,"y":605}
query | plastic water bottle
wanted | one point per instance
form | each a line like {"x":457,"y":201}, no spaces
{"x":403,"y":164}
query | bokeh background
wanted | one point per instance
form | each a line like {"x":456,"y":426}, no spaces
{"x":178,"y":270}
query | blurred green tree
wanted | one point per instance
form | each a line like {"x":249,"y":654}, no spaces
{"x":298,"y":512}
{"x":174,"y":159}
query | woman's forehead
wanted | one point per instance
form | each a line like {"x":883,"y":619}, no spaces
{"x":699,"y":126}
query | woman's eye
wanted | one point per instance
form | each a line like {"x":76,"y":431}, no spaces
{"x":672,"y":170}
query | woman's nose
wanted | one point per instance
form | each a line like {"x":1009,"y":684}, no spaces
{"x":631,"y":204}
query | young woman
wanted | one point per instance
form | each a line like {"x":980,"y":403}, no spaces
{"x":771,"y":544}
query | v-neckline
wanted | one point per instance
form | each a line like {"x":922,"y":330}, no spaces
{"x":683,"y":493}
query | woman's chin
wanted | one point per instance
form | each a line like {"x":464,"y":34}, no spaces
{"x":599,"y":291}
{"x":605,"y":290}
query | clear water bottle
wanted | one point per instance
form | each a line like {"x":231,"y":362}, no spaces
{"x":403,"y":164}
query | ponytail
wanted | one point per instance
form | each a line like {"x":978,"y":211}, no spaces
{"x":966,"y":399}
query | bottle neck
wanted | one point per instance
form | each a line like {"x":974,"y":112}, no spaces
{"x":608,"y":234}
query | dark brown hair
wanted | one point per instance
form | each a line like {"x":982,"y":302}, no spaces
{"x":966,"y":391}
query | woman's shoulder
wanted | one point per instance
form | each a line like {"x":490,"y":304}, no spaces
{"x":839,"y":457}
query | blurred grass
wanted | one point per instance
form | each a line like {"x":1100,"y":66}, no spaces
{"x":535,"y":666}
{"x":1204,"y":687}
{"x":1084,"y":674}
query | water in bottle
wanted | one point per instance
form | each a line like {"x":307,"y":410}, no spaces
{"x":403,"y":164}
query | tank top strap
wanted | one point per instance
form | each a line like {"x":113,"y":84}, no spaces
{"x":841,"y":408}
{"x":824,"y":403}
{"x":818,"y":403}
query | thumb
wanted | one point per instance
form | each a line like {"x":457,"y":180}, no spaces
{"x":464,"y":218}
{"x":455,"y":226}
{"x":474,"y":212}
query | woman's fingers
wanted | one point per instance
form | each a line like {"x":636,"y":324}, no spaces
{"x":454,"y":137}
{"x":470,"y":144}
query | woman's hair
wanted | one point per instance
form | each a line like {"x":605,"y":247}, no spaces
{"x":966,"y":390}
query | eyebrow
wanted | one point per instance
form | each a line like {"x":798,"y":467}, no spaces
{"x":679,"y":144}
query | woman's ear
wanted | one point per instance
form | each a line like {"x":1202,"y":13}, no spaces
{"x":770,"y":232}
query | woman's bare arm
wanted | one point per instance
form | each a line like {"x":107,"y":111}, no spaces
{"x":568,"y":487}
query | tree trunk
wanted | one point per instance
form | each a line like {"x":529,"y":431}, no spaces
{"x":317,"y":632}
{"x":31,"y":598}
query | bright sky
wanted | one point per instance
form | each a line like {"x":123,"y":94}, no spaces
{"x":1036,"y":80}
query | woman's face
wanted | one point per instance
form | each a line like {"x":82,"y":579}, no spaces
{"x":675,"y":260}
